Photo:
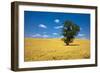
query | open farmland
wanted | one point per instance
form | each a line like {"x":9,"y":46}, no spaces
{"x":43,"y":49}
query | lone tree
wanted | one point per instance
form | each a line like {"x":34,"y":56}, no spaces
{"x":69,"y":31}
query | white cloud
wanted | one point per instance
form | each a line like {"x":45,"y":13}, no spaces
{"x":56,"y":20}
{"x":42,"y":26}
{"x":81,"y":35}
{"x":36,"y":35}
{"x":40,"y":36}
{"x":54,"y":33}
{"x":45,"y":36}
{"x":58,"y":27}
{"x":61,"y":36}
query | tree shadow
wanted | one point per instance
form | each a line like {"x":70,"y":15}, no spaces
{"x":72,"y":45}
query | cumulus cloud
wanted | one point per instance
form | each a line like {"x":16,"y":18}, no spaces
{"x":36,"y":35}
{"x":61,"y":36}
{"x":81,"y":35}
{"x":58,"y":27}
{"x":45,"y":36}
{"x":56,"y":20}
{"x":42,"y":26}
{"x":54,"y":33}
{"x":40,"y":36}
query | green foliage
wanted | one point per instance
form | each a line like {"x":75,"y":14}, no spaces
{"x":69,"y":31}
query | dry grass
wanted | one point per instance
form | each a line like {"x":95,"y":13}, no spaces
{"x":37,"y":49}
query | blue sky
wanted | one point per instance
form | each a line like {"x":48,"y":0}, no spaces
{"x":49,"y":24}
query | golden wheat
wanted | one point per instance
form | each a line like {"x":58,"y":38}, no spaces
{"x":42,"y":49}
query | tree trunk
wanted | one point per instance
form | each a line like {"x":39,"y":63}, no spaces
{"x":67,"y":43}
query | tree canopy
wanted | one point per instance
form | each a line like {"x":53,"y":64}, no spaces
{"x":69,"y":31}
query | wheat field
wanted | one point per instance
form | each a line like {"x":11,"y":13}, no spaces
{"x":44,"y":49}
